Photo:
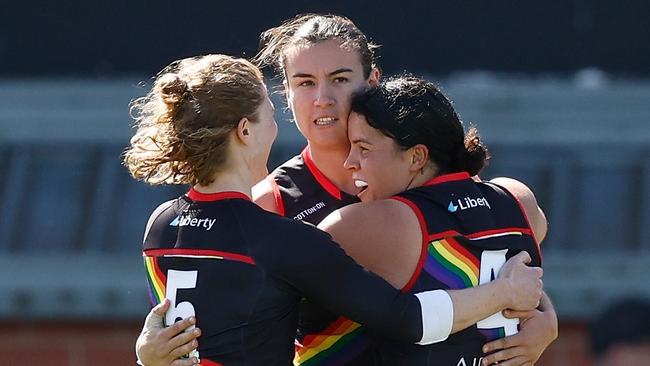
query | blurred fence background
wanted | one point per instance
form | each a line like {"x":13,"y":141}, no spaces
{"x":71,"y":219}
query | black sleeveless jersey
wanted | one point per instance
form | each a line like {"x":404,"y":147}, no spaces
{"x":242,"y":271}
{"x":303,"y":192}
{"x":469,"y":230}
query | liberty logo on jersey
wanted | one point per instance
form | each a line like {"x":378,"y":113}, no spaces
{"x":181,"y":220}
{"x":467,"y":203}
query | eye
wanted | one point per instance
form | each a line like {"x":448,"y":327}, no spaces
{"x":341,"y":79}
{"x":305,"y":83}
{"x":363,"y":150}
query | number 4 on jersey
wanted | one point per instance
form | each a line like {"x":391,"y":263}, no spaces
{"x":491,"y":263}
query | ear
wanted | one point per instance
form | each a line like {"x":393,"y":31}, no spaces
{"x":243,"y":131}
{"x":419,"y":157}
{"x":375,"y":75}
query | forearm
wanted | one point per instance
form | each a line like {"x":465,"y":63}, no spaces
{"x":474,"y":304}
{"x":350,"y":290}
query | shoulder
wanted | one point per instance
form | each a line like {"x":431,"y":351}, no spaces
{"x":163,"y":207}
{"x":268,"y":226}
{"x":277,"y":242}
{"x":528,"y":203}
{"x":290,"y":166}
{"x":265,"y":195}
{"x":159,"y":211}
{"x":515,"y":187}
{"x":389,"y":211}
{"x":158,"y":223}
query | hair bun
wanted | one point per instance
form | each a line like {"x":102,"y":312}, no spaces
{"x":475,"y":153}
{"x":172,"y":89}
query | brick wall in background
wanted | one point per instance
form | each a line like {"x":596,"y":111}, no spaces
{"x":570,"y":349}
{"x":112,"y":344}
{"x":68,"y":344}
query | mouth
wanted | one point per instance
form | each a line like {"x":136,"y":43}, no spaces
{"x":325,"y":121}
{"x":362,"y":185}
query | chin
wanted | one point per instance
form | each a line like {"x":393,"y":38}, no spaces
{"x":330,"y":139}
{"x":365,"y":196}
{"x":377,"y":197}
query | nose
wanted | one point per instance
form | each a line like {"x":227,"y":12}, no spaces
{"x":323,"y":97}
{"x":351,"y":162}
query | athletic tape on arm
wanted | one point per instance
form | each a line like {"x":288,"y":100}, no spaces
{"x":437,"y":316}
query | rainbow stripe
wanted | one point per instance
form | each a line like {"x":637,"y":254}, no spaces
{"x":156,"y":278}
{"x":450,"y":263}
{"x":339,"y":344}
{"x":492,"y":334}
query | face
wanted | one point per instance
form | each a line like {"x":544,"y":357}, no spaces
{"x":379,"y":167}
{"x":265,"y":131}
{"x":320,"y":81}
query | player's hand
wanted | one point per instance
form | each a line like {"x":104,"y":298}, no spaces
{"x":524,"y":283}
{"x":538,"y":329}
{"x":160,"y":346}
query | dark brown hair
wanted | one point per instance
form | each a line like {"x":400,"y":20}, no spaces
{"x":310,"y":29}
{"x":414,"y":111}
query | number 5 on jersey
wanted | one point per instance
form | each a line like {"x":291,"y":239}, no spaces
{"x":180,"y":280}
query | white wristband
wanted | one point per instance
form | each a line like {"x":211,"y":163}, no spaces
{"x":437,"y":316}
{"x":137,"y":354}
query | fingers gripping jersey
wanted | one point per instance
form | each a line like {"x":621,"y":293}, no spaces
{"x":469,"y":230}
{"x":302,"y":192}
{"x":242,"y":271}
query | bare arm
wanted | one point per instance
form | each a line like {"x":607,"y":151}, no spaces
{"x":385,"y":237}
{"x":528,"y":202}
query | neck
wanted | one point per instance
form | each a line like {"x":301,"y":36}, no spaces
{"x":330,"y":162}
{"x":229,"y":181}
{"x":423,"y":176}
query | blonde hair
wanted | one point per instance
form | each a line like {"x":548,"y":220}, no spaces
{"x":184,"y":122}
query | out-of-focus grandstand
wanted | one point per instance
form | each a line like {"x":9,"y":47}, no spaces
{"x":72,"y":218}
{"x":72,"y":285}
